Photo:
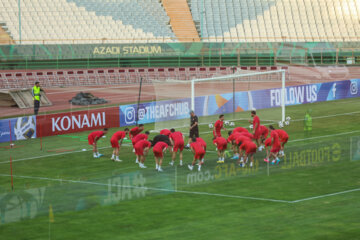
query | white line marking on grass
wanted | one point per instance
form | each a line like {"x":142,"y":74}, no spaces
{"x":326,"y":195}
{"x":149,"y":188}
{"x":325,"y":136}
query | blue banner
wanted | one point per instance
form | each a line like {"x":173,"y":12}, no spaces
{"x":20,"y":128}
{"x":244,"y":101}
{"x":154,"y":111}
{"x":269,"y":98}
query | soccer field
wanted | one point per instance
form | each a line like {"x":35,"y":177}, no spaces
{"x":62,"y":192}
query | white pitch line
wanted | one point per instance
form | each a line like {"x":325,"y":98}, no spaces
{"x":325,"y":195}
{"x":324,"y":136}
{"x":149,"y":188}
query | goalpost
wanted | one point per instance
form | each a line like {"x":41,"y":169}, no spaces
{"x":236,"y":93}
{"x":242,"y":75}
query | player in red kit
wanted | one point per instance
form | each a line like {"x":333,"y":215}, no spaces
{"x":284,"y":138}
{"x":238,"y":141}
{"x":219,"y":124}
{"x":239,"y":129}
{"x":221,"y":145}
{"x":256,"y":127}
{"x":177,"y":140}
{"x":267,"y":144}
{"x":93,"y":138}
{"x":250,"y":149}
{"x":136,"y":130}
{"x":141,"y":150}
{"x":137,"y":138}
{"x":264,"y":132}
{"x":158,"y":150}
{"x":231,"y":139}
{"x":116,"y":137}
{"x":202,"y":143}
{"x":165,"y":132}
{"x":276,"y":146}
{"x":199,"y":153}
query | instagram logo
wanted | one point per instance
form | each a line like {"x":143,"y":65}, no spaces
{"x":130,"y":115}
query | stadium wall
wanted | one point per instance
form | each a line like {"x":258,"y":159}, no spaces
{"x":22,"y":128}
{"x":55,"y":56}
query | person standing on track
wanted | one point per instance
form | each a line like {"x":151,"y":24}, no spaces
{"x":194,"y":127}
{"x":36,"y":97}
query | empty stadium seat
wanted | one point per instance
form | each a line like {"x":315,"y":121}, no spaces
{"x":87,"y":21}
{"x":277,"y":21}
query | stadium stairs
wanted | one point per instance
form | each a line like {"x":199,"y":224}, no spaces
{"x":5,"y":38}
{"x":181,"y":20}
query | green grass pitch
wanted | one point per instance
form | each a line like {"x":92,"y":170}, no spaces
{"x":61,"y":192}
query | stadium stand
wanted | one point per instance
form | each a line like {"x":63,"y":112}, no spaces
{"x":142,"y":21}
{"x":277,"y":21}
{"x":87,"y":21}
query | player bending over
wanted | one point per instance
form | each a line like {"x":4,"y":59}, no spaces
{"x":275,"y":143}
{"x":137,"y":138}
{"x":264,"y":132}
{"x":202,"y":144}
{"x":165,"y":132}
{"x":250,"y":149}
{"x":118,"y":136}
{"x":221,"y":145}
{"x":267,"y":145}
{"x":136,"y":130}
{"x":231,"y":139}
{"x":284,"y":138}
{"x":141,"y":150}
{"x":199,"y":153}
{"x":239,"y":130}
{"x":93,"y":138}
{"x":158,"y":150}
{"x":177,"y":141}
{"x":256,"y":127}
{"x":238,"y":141}
{"x":218,"y":126}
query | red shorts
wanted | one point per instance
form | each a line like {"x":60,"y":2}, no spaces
{"x":257,"y":134}
{"x":284,"y":140}
{"x":250,"y":150}
{"x":158,"y":154}
{"x":222,"y":147}
{"x":139,"y":151}
{"x":275,"y":149}
{"x":217,"y":134}
{"x":91,"y":140}
{"x":178,"y":146}
{"x":199,"y":156}
{"x":114,"y":143}
{"x":268,"y":142}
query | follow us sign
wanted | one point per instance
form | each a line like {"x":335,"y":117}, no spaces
{"x":154,"y":112}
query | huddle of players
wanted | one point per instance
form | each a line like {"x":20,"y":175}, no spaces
{"x":245,"y":144}
{"x":241,"y":140}
{"x":168,"y":139}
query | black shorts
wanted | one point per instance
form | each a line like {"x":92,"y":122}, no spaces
{"x":194,"y":133}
